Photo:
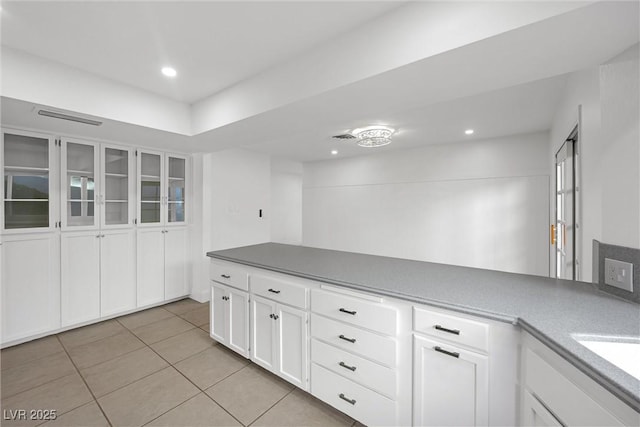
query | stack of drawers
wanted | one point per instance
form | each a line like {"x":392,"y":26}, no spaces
{"x":354,"y":355}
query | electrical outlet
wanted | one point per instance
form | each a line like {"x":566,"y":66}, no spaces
{"x":618,"y":274}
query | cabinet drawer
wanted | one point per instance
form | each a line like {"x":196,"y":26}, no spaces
{"x":375,"y":316}
{"x":229,"y":274}
{"x":357,"y":401}
{"x":451,"y":328}
{"x":279,"y":290}
{"x":355,"y":368}
{"x":364,"y":343}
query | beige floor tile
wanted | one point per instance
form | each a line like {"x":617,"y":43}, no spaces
{"x":23,"y":353}
{"x":247,"y":394}
{"x":61,"y":395}
{"x":146,"y":317}
{"x":206,"y":328}
{"x":183,"y":345}
{"x":183,"y":306}
{"x":198,"y":317}
{"x":105,"y":349}
{"x":88,"y":415}
{"x":148,"y":398}
{"x":162,"y":329}
{"x":115,"y":373}
{"x":91,"y":333}
{"x":199,"y":411}
{"x":34,"y":373}
{"x":210,"y":366}
{"x":302,"y":409}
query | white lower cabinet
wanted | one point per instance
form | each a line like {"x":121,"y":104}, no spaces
{"x":229,"y":318}
{"x":535,"y":414}
{"x":30,"y":285}
{"x":280,"y":340}
{"x":451,"y":385}
{"x":162,"y":264}
{"x":117,"y":271}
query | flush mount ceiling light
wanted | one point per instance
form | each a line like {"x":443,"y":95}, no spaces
{"x":373,"y":136}
{"x":468,"y":132}
{"x":169,"y":72}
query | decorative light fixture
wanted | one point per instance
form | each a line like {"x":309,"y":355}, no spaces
{"x":169,"y":72}
{"x":373,"y":136}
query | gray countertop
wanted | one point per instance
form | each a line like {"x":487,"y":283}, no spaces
{"x":551,"y":310}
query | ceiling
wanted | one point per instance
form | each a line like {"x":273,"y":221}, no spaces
{"x":213,"y":45}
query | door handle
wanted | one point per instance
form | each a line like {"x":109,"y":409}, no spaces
{"x":343,"y":397}
{"x":344,"y":365}
{"x":451,"y":331}
{"x":448,"y":353}
{"x":225,"y":276}
{"x":553,"y":234}
{"x":343,"y":310}
{"x":351,"y":340}
{"x":274,"y":291}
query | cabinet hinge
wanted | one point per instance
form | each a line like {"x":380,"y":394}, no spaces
{"x":135,"y":220}
{"x":136,"y":153}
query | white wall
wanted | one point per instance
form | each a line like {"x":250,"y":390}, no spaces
{"x":482,"y":204}
{"x":286,"y":201}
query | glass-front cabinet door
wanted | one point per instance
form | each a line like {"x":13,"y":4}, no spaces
{"x":28,"y":181}
{"x":79,"y":161}
{"x":150,"y":194}
{"x":117,"y":186}
{"x":176,"y":185}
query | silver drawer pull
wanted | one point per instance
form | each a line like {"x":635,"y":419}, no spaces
{"x":351,"y":340}
{"x":344,"y":365}
{"x":225,"y":276}
{"x":451,"y":331}
{"x":346,"y":399}
{"x":448,"y":353}
{"x":343,"y":310}
{"x":274,"y":291}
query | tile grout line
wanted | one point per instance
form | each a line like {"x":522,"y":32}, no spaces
{"x":271,"y":407}
{"x":85,"y":384}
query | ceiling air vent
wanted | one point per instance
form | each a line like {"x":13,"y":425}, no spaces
{"x":343,"y":136}
{"x":57,"y":115}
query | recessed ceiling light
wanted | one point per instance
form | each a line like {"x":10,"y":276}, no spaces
{"x":469,"y":132}
{"x":334,"y":152}
{"x":169,"y":72}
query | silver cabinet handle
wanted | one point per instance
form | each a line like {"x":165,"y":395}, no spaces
{"x":448,"y":353}
{"x":343,"y":310}
{"x":451,"y":331}
{"x":344,"y":365}
{"x":225,"y":276}
{"x":351,"y":340}
{"x":346,"y":399}
{"x":274,"y":291}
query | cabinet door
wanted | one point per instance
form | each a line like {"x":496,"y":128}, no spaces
{"x":175,"y":263}
{"x":263,"y":348}
{"x":80,"y":268}
{"x":30,"y":285}
{"x":117,"y":271}
{"x":150,"y":249}
{"x":79,"y":165}
{"x":218,"y":313}
{"x":175,"y":189}
{"x":28,"y":171}
{"x":450,"y":385}
{"x":116,"y":186}
{"x":292,"y":345}
{"x":238,"y":304}
{"x":150,"y":189}
{"x":535,"y":414}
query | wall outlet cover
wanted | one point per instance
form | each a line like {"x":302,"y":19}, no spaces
{"x":618,"y":274}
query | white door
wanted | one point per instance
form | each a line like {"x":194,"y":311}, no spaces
{"x":292,"y":345}
{"x":564,"y":236}
{"x":117,"y":271}
{"x":175,"y":262}
{"x":218,"y":313}
{"x":263,"y":348}
{"x":80,"y":274}
{"x":30,"y":285}
{"x":535,"y":414}
{"x":150,"y":278}
{"x":450,"y":385}
{"x":238,"y":321}
{"x":79,"y":185}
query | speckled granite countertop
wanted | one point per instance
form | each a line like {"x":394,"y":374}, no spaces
{"x":551,"y":310}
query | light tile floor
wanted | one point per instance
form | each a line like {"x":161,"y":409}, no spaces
{"x":158,"y":367}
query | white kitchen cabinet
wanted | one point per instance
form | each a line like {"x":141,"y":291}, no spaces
{"x":280,"y":340}
{"x":116,"y":186}
{"x":229,"y":317}
{"x":30,"y":285}
{"x":535,"y":414}
{"x":117,"y":271}
{"x":451,"y":385}
{"x":162,"y":264}
{"x":79,"y":185}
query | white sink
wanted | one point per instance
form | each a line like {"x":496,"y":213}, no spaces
{"x":623,"y":352}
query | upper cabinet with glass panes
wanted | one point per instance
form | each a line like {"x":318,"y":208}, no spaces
{"x":161,"y":189}
{"x":28,"y":181}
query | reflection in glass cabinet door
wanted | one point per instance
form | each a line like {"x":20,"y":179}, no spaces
{"x":79,"y":165}
{"x":149,"y":189}
{"x":116,"y":185}
{"x":176,"y":190}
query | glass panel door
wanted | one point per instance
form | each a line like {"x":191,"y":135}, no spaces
{"x":116,"y":186}
{"x":564,"y":234}
{"x":150,"y":191}
{"x":26,"y":181}
{"x":79,"y":160}
{"x":176,"y":190}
